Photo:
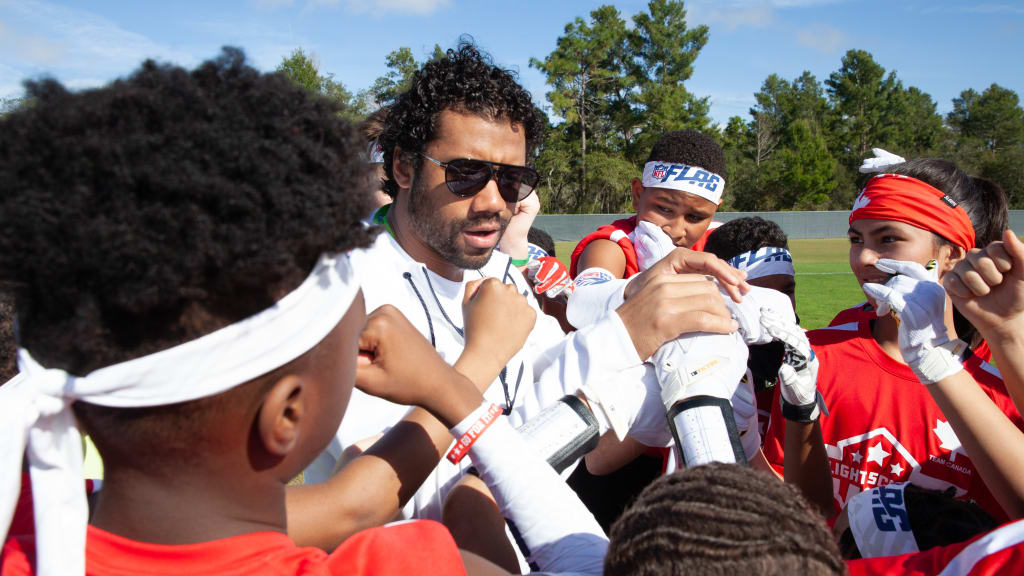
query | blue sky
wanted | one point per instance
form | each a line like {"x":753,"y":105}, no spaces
{"x":940,"y":46}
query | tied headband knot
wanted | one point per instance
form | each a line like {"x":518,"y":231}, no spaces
{"x":909,"y":200}
{"x":691,"y":179}
{"x":35,"y":414}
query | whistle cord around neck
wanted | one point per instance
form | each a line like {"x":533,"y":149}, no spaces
{"x":426,"y":311}
{"x":426,"y":275}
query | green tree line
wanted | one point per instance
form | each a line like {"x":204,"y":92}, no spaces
{"x":615,"y":86}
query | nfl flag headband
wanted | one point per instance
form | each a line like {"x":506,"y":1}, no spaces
{"x":764,"y":262}
{"x":691,"y":179}
{"x":880,"y":523}
{"x":911,"y":201}
{"x":35,"y":411}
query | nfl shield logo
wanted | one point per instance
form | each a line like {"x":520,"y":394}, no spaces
{"x":659,"y":174}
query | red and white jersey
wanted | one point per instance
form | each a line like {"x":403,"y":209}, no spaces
{"x":865,"y":311}
{"x":618,"y":232}
{"x":1000,"y":551}
{"x":419,"y":547}
{"x":883,"y":425}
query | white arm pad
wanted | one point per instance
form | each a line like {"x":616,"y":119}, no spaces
{"x":560,"y":533}
{"x":597,"y":292}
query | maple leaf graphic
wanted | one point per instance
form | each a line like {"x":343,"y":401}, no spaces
{"x":948,"y":439}
{"x":861,"y":201}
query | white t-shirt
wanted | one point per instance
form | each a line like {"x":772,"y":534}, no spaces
{"x":550,"y":365}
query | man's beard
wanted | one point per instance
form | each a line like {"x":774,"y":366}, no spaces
{"x":443,"y":236}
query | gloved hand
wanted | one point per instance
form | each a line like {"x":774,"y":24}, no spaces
{"x":651,"y":244}
{"x":919,"y":302}
{"x":714,"y":365}
{"x":550,"y":277}
{"x":882,"y":161}
{"x":748,"y":312}
{"x":799,"y":370}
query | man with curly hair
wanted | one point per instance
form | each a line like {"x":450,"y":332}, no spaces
{"x":457,"y":147}
{"x":176,"y":243}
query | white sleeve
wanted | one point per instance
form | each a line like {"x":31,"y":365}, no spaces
{"x":601,"y":362}
{"x":597,"y":293}
{"x":560,"y":534}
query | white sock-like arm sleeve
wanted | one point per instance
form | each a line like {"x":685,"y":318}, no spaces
{"x":560,"y":534}
{"x":597,"y":293}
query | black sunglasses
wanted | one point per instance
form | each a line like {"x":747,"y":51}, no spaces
{"x":465,"y":177}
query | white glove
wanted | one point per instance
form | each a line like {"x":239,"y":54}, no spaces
{"x":651,"y":244}
{"x":799,"y":370}
{"x":748,"y":312}
{"x":882,"y":161}
{"x":919,"y":302}
{"x":703,"y":364}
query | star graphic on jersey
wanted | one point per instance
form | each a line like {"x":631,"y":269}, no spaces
{"x":857,"y":457}
{"x":877,"y":454}
{"x":896,"y":469}
{"x":948,"y":439}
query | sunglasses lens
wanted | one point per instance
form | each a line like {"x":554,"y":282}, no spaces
{"x":467,"y":177}
{"x":516,"y":182}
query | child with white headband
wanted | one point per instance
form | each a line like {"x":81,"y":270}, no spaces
{"x":177,"y":246}
{"x":675,"y":199}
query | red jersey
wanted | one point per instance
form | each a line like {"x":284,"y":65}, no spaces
{"x":883,"y":425}
{"x":420,"y":547}
{"x":864,"y":311}
{"x":618,"y":232}
{"x":998,"y":552}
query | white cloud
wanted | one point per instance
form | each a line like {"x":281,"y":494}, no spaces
{"x":418,"y":7}
{"x":35,"y":49}
{"x":78,"y":47}
{"x":737,"y":17}
{"x":986,"y":8}
{"x":736,"y":14}
{"x":823,"y":38}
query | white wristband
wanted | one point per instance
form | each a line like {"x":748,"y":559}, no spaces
{"x":940,"y":362}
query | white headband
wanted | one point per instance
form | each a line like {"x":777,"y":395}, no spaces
{"x":764,"y":262}
{"x":35,"y":411}
{"x":374,"y":153}
{"x":692,"y":179}
{"x":880,"y":523}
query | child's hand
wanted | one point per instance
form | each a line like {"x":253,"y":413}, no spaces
{"x":550,"y":277}
{"x":987,"y":287}
{"x":514,"y":240}
{"x":396,"y":362}
{"x":498,"y":319}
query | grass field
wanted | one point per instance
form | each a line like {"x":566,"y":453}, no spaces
{"x":824,"y":283}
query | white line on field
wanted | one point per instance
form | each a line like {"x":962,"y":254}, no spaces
{"x":823,"y":273}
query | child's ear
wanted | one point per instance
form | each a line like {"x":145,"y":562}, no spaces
{"x":637,"y":188}
{"x":401,"y":168}
{"x":280,"y":417}
{"x":949,"y":255}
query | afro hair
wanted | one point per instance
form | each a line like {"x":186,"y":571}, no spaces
{"x":689,"y":147}
{"x":168,"y":204}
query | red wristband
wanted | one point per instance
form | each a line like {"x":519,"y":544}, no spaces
{"x":463,"y":444}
